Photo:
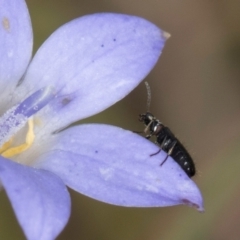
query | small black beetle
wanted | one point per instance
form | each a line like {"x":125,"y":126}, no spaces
{"x":166,"y":140}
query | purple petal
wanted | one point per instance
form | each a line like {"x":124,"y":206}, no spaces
{"x":114,"y":166}
{"x":93,"y":62}
{"x":15,"y":41}
{"x":40,"y":199}
{"x":35,"y":102}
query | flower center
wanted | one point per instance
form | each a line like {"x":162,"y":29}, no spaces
{"x":17,"y":117}
{"x":7,"y":152}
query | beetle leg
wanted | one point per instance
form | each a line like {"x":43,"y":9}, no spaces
{"x":171,"y":149}
{"x":161,"y":146}
{"x":147,"y":127}
{"x":139,"y":132}
{"x":169,"y":152}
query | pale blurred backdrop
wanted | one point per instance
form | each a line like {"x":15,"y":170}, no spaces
{"x":195,"y":91}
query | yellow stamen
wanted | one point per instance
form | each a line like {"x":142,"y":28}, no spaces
{"x":10,"y":152}
{"x":6,"y":145}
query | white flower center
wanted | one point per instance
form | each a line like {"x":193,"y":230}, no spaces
{"x":17,"y":117}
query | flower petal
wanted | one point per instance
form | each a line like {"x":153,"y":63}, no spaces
{"x":40,"y":199}
{"x":93,"y":62}
{"x":15,"y":41}
{"x":114,"y":166}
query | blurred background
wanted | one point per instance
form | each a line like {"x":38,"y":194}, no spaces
{"x":195,"y":91}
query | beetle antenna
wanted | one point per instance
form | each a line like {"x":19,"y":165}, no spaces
{"x":148,"y":95}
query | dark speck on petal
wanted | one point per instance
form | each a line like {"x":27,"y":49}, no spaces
{"x":66,"y":101}
{"x":17,"y":190}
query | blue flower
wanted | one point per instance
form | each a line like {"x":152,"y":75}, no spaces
{"x":83,"y":68}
